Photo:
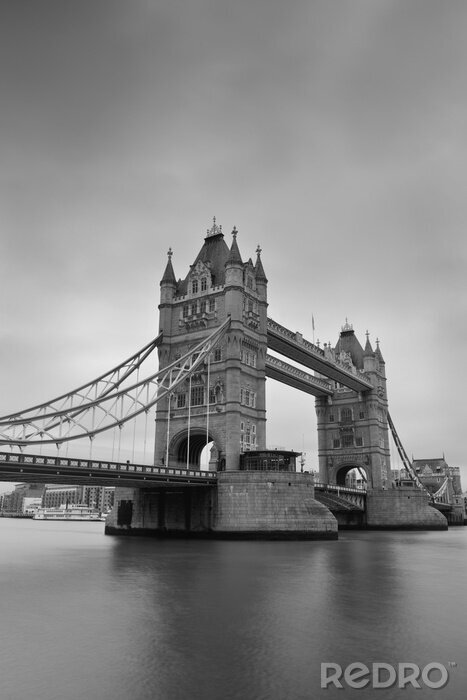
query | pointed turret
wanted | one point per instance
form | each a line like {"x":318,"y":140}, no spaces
{"x":169,"y":276}
{"x":234,"y":256}
{"x":259,"y":270}
{"x":234,"y":283}
{"x":369,"y":359}
{"x":168,"y":285}
{"x":368,"y":349}
{"x":378,"y":352}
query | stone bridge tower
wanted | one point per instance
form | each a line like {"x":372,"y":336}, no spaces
{"x":223,"y":403}
{"x":353,"y":427}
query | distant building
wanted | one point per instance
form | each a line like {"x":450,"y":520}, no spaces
{"x":12,"y":503}
{"x":56,"y":495}
{"x":100,"y":497}
{"x":27,"y":497}
{"x":433,"y":472}
{"x":438,"y":477}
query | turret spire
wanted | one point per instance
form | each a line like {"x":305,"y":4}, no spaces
{"x":234,"y":255}
{"x":368,"y":348}
{"x":378,"y":351}
{"x":169,"y":276}
{"x":259,"y":270}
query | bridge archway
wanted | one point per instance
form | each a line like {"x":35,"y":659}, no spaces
{"x":351,"y":475}
{"x":197,"y":444}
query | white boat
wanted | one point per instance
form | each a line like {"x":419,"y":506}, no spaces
{"x":68,"y":512}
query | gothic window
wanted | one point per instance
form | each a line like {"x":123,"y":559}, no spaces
{"x":347,"y":441}
{"x":248,"y":436}
{"x":193,"y":309}
{"x":331,"y":417}
{"x":248,"y":355}
{"x":346,"y":415}
{"x":336,"y":443}
{"x":248,"y":398}
{"x":181,"y":400}
{"x":202,"y":306}
{"x":217,"y":355}
{"x":361,"y":414}
{"x":204,"y":284}
{"x":212,"y":304}
{"x":212,"y":394}
{"x":185,"y":311}
{"x":194,"y":286}
{"x":359,"y":441}
{"x":197,"y":395}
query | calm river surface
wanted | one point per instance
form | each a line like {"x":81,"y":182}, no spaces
{"x":86,"y":616}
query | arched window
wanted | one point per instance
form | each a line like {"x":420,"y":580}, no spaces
{"x":346,"y":415}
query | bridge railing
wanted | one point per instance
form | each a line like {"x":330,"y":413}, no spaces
{"x":296,"y":337}
{"x":87,"y":464}
{"x":340,"y":489}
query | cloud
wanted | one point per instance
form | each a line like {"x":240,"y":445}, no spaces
{"x":331,"y":133}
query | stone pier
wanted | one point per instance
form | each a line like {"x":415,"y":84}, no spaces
{"x":405,"y":508}
{"x":247,"y":505}
{"x":271,"y":504}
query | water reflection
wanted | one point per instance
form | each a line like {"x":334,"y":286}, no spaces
{"x":100,"y":617}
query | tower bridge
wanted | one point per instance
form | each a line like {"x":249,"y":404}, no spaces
{"x":209,"y":391}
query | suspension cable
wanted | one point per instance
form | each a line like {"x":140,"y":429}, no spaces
{"x":207,"y":410}
{"x":37,"y":429}
{"x":189,"y":426}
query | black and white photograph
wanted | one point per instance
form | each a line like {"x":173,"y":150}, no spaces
{"x":233,"y":264}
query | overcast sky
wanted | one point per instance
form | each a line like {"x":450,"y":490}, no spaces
{"x":331,"y":132}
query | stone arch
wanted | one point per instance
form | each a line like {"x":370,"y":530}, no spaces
{"x":178,"y":447}
{"x":341,"y":472}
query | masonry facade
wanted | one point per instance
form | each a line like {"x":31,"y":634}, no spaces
{"x":353,"y":428}
{"x":223,"y":404}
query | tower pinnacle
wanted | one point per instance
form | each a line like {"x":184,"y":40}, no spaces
{"x":215,"y":230}
{"x":234,"y":255}
{"x":259,"y":270}
{"x":169,"y":276}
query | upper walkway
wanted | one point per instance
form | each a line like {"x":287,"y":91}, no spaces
{"x":297,"y":348}
{"x":296,"y":378}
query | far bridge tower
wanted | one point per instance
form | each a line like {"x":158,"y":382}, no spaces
{"x":353,"y":427}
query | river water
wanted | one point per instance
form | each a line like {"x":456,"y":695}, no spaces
{"x":87,"y":616}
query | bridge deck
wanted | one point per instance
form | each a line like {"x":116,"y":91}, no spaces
{"x":47,"y":469}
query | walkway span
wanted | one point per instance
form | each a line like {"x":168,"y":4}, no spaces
{"x":295,"y":347}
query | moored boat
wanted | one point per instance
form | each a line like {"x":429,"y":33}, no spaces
{"x":69,"y":512}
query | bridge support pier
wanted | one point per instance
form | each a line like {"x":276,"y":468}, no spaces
{"x":245,"y":504}
{"x":402,"y":508}
{"x":166,"y":511}
{"x":271,"y":505}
